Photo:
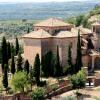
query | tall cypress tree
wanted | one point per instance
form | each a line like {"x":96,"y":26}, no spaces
{"x":26,"y":66}
{"x":47,"y":64}
{"x":4,"y":53}
{"x":79,"y":63}
{"x":19,"y":62}
{"x":8,"y":50}
{"x":71,"y":67}
{"x":5,"y":77}
{"x":17,"y":46}
{"x":13,"y":65}
{"x":58,"y":68}
{"x":37,"y":68}
{"x":28,"y":30}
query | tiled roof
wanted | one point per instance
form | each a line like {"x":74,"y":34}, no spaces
{"x":38,"y":34}
{"x":52,"y":22}
{"x":83,"y":31}
{"x":96,"y":24}
{"x":64,"y":34}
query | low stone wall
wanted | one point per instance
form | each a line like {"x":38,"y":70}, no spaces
{"x":97,"y":82}
{"x":58,"y":91}
{"x":19,"y":96}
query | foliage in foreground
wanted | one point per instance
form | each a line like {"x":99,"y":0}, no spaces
{"x":19,"y":81}
{"x":78,"y":80}
{"x":38,"y":94}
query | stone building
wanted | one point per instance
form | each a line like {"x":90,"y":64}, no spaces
{"x":53,"y":32}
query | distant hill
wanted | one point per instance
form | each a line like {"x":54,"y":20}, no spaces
{"x":36,"y":11}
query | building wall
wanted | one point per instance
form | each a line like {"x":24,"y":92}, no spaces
{"x":31,"y":48}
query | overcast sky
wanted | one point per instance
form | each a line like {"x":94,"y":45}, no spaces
{"x":37,"y":0}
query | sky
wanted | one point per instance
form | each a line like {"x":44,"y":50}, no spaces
{"x":37,"y":0}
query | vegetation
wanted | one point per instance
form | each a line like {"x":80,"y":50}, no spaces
{"x":71,"y":68}
{"x":17,"y":46}
{"x":37,"y":69}
{"x":95,"y":11}
{"x":58,"y":67}
{"x":38,"y":94}
{"x":48,"y":64}
{"x":4,"y":53}
{"x":26,"y":66}
{"x":78,"y":80}
{"x":13,"y":70}
{"x":19,"y":81}
{"x":19,"y":62}
{"x":5,"y":77}
{"x":79,"y":63}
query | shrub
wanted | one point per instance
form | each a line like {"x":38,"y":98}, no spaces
{"x":78,"y":80}
{"x":38,"y":94}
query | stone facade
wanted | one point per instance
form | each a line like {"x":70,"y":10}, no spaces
{"x":60,"y":36}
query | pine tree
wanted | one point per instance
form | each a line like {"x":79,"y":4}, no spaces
{"x":8,"y":50}
{"x":17,"y":46}
{"x":19,"y":62}
{"x":37,"y":69}
{"x":4,"y":53}
{"x":13,"y":65}
{"x":58,"y":68}
{"x":26,"y":66}
{"x":5,"y":77}
{"x":79,"y":54}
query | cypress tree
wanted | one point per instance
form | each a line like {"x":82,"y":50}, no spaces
{"x":79,"y":54}
{"x":58,"y":68}
{"x":5,"y":77}
{"x":48,"y":68}
{"x":12,"y":65}
{"x":19,"y":62}
{"x":13,"y":50}
{"x":17,"y":46}
{"x":28,"y":30}
{"x":4,"y":53}
{"x":71,"y":67}
{"x":37,"y":68}
{"x":26,"y":66}
{"x":8,"y":50}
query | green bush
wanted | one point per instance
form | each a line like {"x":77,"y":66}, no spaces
{"x":38,"y":94}
{"x":78,"y":80}
{"x":10,"y":91}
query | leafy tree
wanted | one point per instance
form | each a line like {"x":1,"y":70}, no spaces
{"x":79,"y":63}
{"x":37,"y":69}
{"x":5,"y":77}
{"x":4,"y":53}
{"x":19,"y":62}
{"x":78,"y":80}
{"x":17,"y":46}
{"x":26,"y":66}
{"x":12,"y":65}
{"x":47,"y":64}
{"x":58,"y":68}
{"x":8,"y":50}
{"x":19,"y":81}
{"x":38,"y":94}
{"x":79,"y":20}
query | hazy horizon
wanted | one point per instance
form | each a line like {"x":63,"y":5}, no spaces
{"x":19,"y":1}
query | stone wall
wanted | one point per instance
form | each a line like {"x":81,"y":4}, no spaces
{"x":31,"y":48}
